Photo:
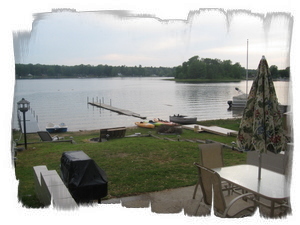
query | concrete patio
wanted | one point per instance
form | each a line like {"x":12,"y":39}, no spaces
{"x":176,"y":201}
{"x":167,"y":201}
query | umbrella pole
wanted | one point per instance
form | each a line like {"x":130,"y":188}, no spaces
{"x":259,"y":165}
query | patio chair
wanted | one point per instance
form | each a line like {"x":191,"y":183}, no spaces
{"x":232,"y":206}
{"x":46,"y":137}
{"x":211,"y":156}
{"x":271,"y":161}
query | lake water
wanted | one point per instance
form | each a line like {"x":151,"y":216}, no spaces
{"x":65,"y":100}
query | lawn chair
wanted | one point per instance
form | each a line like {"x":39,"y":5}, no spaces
{"x":232,"y":206}
{"x":211,"y":156}
{"x":46,"y":137}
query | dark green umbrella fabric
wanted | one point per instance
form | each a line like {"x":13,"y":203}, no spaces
{"x":261,"y":126}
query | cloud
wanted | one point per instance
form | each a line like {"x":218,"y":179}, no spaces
{"x":121,"y":37}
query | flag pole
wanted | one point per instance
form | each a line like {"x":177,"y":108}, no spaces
{"x":247,"y":71}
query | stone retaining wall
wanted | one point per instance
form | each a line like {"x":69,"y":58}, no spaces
{"x":50,"y":189}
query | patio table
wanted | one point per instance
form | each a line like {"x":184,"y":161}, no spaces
{"x":272,"y":185}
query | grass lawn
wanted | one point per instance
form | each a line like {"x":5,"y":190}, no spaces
{"x":133,"y":165}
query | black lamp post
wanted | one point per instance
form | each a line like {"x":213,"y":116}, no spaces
{"x":23,"y":106}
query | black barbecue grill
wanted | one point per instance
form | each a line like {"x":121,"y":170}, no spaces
{"x":85,"y":180}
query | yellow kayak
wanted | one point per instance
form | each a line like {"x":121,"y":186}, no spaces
{"x":145,"y":124}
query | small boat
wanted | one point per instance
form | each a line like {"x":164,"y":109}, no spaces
{"x":238,"y":101}
{"x":165,"y":122}
{"x":145,"y":124}
{"x":183,"y":119}
{"x":51,"y":128}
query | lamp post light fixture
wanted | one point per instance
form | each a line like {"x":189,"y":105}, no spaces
{"x":24,"y":106}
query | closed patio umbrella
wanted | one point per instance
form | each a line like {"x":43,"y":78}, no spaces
{"x":261,"y":126}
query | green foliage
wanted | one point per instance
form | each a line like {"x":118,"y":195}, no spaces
{"x":56,"y":71}
{"x":216,"y":69}
{"x":276,"y":73}
{"x":194,"y":69}
{"x":207,"y":68}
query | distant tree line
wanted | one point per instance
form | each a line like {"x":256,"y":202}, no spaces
{"x":56,"y":71}
{"x":206,"y":68}
{"x":194,"y":68}
{"x":276,"y":73}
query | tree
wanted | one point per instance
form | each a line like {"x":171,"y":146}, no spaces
{"x":107,"y":70}
{"x":284,"y":73}
{"x":179,"y":72}
{"x":238,"y":71}
{"x":202,"y":70}
{"x":207,"y":68}
{"x":193,"y":59}
{"x":274,"y":71}
{"x":194,"y":69}
{"x":227,"y":68}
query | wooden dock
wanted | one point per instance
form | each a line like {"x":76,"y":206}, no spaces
{"x":212,"y":129}
{"x":117,"y":110}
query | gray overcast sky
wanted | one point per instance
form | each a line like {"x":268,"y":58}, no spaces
{"x":135,"y":38}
